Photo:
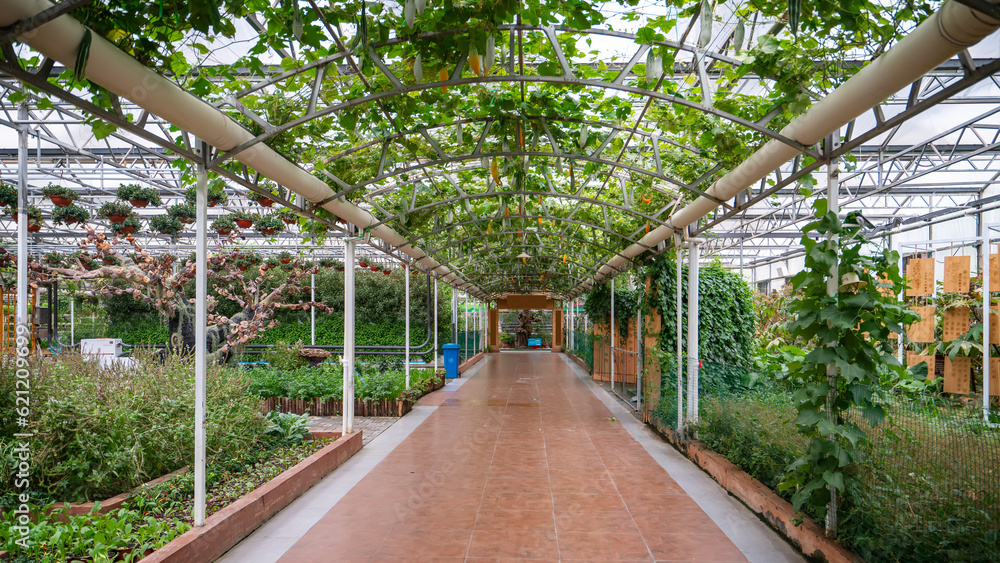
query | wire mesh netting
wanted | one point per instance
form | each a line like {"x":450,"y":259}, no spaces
{"x":468,"y":344}
{"x":928,"y":488}
{"x":583,"y":347}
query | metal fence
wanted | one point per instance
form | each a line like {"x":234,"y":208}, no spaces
{"x":927,"y":489}
{"x":469,"y":344}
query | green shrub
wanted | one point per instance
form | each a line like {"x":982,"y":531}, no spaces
{"x":286,"y":428}
{"x":103,"y":431}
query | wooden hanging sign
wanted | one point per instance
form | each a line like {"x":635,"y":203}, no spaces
{"x":922,"y":330}
{"x":957,"y":272}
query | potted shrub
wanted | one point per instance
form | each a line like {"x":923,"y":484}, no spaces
{"x":183,"y":212}
{"x":326,"y":262}
{"x":34,"y":217}
{"x":362,"y":263}
{"x":166,"y":225}
{"x":288,"y":216}
{"x":115,"y":211}
{"x":338,"y":265}
{"x":285,"y":257}
{"x":271,"y":263}
{"x":60,"y":196}
{"x":216,"y":193}
{"x":224,"y":225}
{"x":111,"y":261}
{"x":244,"y":219}
{"x":269,"y":225}
{"x":374,"y":267}
{"x":139,"y":196}
{"x":70,"y":215}
{"x":8,"y":194}
{"x":130,"y":225}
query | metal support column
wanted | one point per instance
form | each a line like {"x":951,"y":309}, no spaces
{"x":832,"y":284}
{"x":348,"y":393}
{"x":454,"y":315}
{"x":23,"y":328}
{"x":312,"y":310}
{"x":694,"y":255}
{"x":406,"y":315}
{"x":200,"y":330}
{"x":984,"y":251}
{"x":680,"y":337}
{"x":612,"y":331}
{"x":435,"y":326}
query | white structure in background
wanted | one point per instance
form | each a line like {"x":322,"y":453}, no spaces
{"x":107,"y":351}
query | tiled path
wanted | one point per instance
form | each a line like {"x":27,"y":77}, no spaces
{"x":522,"y":461}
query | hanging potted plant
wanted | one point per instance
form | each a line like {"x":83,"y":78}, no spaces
{"x":70,"y":215}
{"x":224,"y":225}
{"x":85,"y":260}
{"x":285,"y":257}
{"x":387,"y":272}
{"x":338,"y":265}
{"x":288,"y":216}
{"x":216,"y":193}
{"x":326,"y":262}
{"x":130,"y":225}
{"x":244,"y":219}
{"x":374,"y":267}
{"x":262,"y":199}
{"x":60,"y":196}
{"x":269,"y":225}
{"x":34,"y":217}
{"x":115,"y":211}
{"x":111,"y":260}
{"x":362,"y":263}
{"x":183,"y":212}
{"x":271,"y":263}
{"x":166,"y":225}
{"x":139,"y":196}
{"x":8,"y":194}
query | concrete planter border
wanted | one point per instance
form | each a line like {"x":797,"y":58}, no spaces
{"x":776,"y":511}
{"x":229,"y":526}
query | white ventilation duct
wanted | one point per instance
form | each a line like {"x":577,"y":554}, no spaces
{"x":943,"y":35}
{"x":115,"y":70}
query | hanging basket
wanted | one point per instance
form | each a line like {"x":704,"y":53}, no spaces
{"x":244,"y":223}
{"x":224,"y":232}
{"x":117,"y":218}
{"x":34,"y":228}
{"x":60,"y":201}
{"x":267,"y":231}
{"x":265,"y":202}
{"x":138,"y":202}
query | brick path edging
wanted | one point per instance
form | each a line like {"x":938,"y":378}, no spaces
{"x":229,"y":526}
{"x":774,"y":510}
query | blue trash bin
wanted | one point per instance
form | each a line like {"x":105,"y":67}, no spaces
{"x":450,"y":360}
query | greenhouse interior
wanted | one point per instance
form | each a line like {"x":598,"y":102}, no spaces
{"x":497,"y":280}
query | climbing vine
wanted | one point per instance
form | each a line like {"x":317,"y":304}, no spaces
{"x":849,"y":330}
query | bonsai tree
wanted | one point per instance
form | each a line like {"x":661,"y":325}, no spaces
{"x":139,"y":196}
{"x":153,"y":280}
{"x":183,"y":212}
{"x":244,"y":219}
{"x":269,"y":225}
{"x":115,"y":211}
{"x":224,"y":225}
{"x":216,"y":193}
{"x":70,"y":215}
{"x":130,"y":225}
{"x":60,"y":196}
{"x":54,"y":258}
{"x":8,"y":194}
{"x":165,"y":224}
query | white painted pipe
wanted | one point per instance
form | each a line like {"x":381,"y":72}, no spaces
{"x":943,"y":35}
{"x":692,"y":334}
{"x":348,"y":393}
{"x":115,"y":70}
{"x":406,"y":315}
{"x":435,"y":326}
{"x":22,"y":327}
{"x":200,"y":346}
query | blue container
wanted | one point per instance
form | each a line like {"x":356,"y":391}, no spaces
{"x":450,"y":360}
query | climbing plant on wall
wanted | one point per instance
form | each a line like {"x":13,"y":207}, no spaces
{"x":726,"y":315}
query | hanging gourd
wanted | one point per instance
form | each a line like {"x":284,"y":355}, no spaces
{"x":647,"y":227}
{"x":409,"y":11}
{"x":489,"y":228}
{"x":654,"y":67}
{"x":564,"y":259}
{"x":647,"y":196}
{"x":458,"y":132}
{"x":474,"y":61}
{"x":584,"y":133}
{"x":443,"y":75}
{"x":491,"y":47}
{"x":495,"y":171}
{"x":520,"y":134}
{"x":418,"y":68}
{"x":420,"y":5}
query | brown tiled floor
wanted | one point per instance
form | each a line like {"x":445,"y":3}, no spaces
{"x":523,"y":462}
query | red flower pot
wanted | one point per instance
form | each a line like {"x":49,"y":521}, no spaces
{"x":340,"y":268}
{"x":285,"y":260}
{"x":34,"y":228}
{"x":108,"y":261}
{"x":265,"y":202}
{"x":244,"y":223}
{"x":127,"y":230}
{"x":185,"y":220}
{"x":213,"y":202}
{"x":60,"y":201}
{"x":287,"y":220}
{"x":375,"y":268}
{"x":117,"y":218}
{"x":363,"y":264}
{"x":139,"y":202}
{"x":387,"y":272}
{"x":242,"y":268}
{"x":267,"y":231}
{"x":223,"y":232}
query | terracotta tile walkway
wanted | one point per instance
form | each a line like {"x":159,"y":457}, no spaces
{"x":522,"y":462}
